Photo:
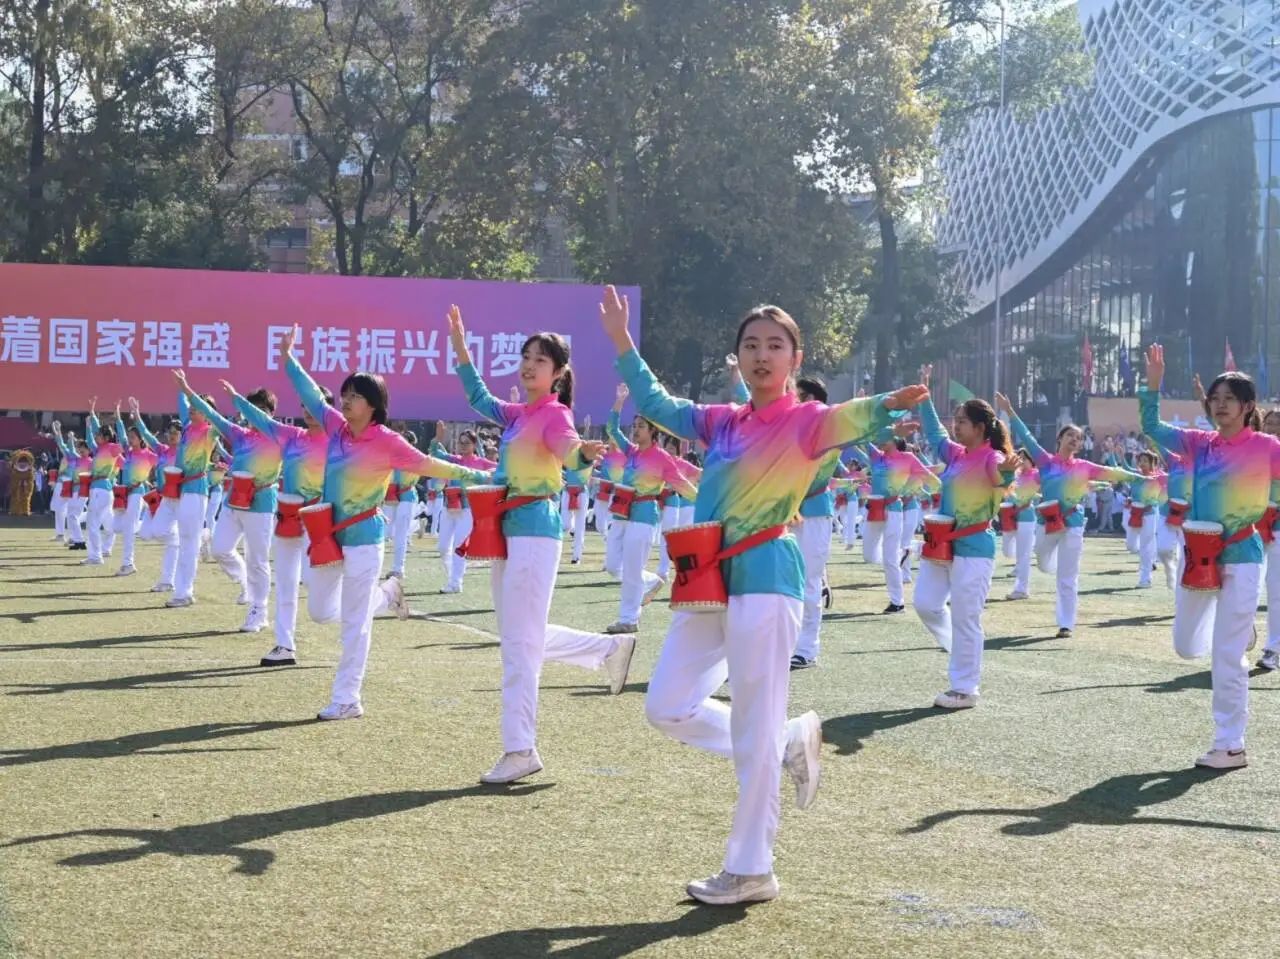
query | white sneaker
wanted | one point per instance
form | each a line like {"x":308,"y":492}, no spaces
{"x":58,"y":538}
{"x":653,"y":591}
{"x":726,"y":888}
{"x":279,"y":656}
{"x":1017,"y":594}
{"x":243,"y":598}
{"x":1270,"y":659}
{"x":1146,"y":585}
{"x":513,"y":766}
{"x":1223,"y":759}
{"x":451,"y":589}
{"x":395,"y":598}
{"x":127,"y":570}
{"x":621,"y":627}
{"x":952,"y":699}
{"x":255,"y":621}
{"x":162,"y":588}
{"x":801,"y":759}
{"x":90,"y":561}
{"x":618,"y":663}
{"x":341,"y":711}
{"x":395,"y":574}
{"x":178,"y":602}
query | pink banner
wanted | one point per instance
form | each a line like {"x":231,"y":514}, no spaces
{"x":71,"y":332}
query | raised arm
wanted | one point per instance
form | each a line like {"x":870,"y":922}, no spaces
{"x":141,"y":425}
{"x":737,"y":386}
{"x":614,"y":429}
{"x":94,"y":426}
{"x":478,"y":395}
{"x":1169,"y":437}
{"x":259,"y":419}
{"x":1021,"y":435}
{"x":121,"y":436}
{"x":860,"y":418}
{"x":308,"y":392}
{"x":224,"y":426}
{"x":935,"y":433}
{"x":184,"y":410}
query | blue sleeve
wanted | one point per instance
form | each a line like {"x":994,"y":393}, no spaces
{"x":145,"y":433}
{"x":478,"y":396}
{"x":92,"y":438}
{"x":934,"y":432}
{"x":62,"y":446}
{"x":1170,"y":438}
{"x":614,"y":426}
{"x":220,"y":423}
{"x":311,"y":397}
{"x":184,"y":410}
{"x":1025,"y":439}
{"x":679,"y":417}
{"x":740,"y":392}
{"x":121,"y":436}
{"x":440,"y":453}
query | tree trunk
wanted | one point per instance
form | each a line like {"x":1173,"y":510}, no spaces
{"x":888,"y":294}
{"x":36,"y":156}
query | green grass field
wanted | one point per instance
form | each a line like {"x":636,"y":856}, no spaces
{"x":162,"y":796}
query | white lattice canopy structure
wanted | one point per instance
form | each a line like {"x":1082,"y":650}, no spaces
{"x":1160,"y":67}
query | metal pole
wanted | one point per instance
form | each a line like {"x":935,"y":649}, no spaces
{"x":1000,"y":119}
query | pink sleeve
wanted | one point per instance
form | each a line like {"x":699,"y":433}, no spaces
{"x":560,"y":436}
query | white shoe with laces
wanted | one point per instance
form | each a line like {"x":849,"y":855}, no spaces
{"x":953,"y":699}
{"x":801,"y":757}
{"x":618,"y":663}
{"x":653,"y":591}
{"x":255,"y":621}
{"x":341,"y":711}
{"x":243,"y":598}
{"x":127,"y":570}
{"x":162,"y":588}
{"x":396,"y":602}
{"x":180,"y":602}
{"x":279,"y":656}
{"x":513,"y":766}
{"x":1223,"y":759}
{"x":727,"y":888}
{"x":92,"y":562}
{"x":1017,"y":594}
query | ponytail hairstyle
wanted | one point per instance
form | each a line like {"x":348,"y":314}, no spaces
{"x":106,"y":434}
{"x":553,"y":346}
{"x":410,"y":437}
{"x":263,"y":399}
{"x":980,"y":413}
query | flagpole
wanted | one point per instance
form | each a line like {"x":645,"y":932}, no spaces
{"x":1000,"y":119}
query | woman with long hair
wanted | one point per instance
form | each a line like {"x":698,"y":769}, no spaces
{"x":761,"y":459}
{"x":538,"y":441}
{"x":162,"y":526}
{"x":108,"y":457}
{"x":1023,"y":493}
{"x":135,"y":473}
{"x":951,"y":593}
{"x":456,"y":521}
{"x":1064,"y":480}
{"x":1234,"y":470}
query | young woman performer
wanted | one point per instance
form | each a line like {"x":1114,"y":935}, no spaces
{"x":1172,"y":512}
{"x":138,"y":464}
{"x":361,"y":455}
{"x":760,"y":461}
{"x":219,"y":466}
{"x":59,"y":471}
{"x":813,"y":533}
{"x":400,"y":506}
{"x":612,"y":466}
{"x":455,"y":526}
{"x":649,"y":467}
{"x":573,"y":516}
{"x":75,"y":460}
{"x":163,"y":524}
{"x":971,"y":485}
{"x":194,"y":452}
{"x":1063,"y":480}
{"x":1149,"y":495}
{"x":108,"y":457}
{"x":302,"y":456}
{"x":1023,"y":494}
{"x":538,"y":441}
{"x":252,"y":517}
{"x":1234,"y":472}
{"x":894,"y":472}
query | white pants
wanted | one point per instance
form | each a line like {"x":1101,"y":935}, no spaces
{"x":291,"y":567}
{"x":1024,"y":541}
{"x":1147,"y":546}
{"x":1046,"y":550}
{"x":891,"y":555}
{"x":852,"y":516}
{"x":613,"y":546}
{"x":1009,"y":544}
{"x":455,"y":527}
{"x":1224,"y":621}
{"x":910,"y":520}
{"x":814,"y":538}
{"x":604,"y":519}
{"x":575,"y":520}
{"x":401,"y":526}
{"x":686,"y":515}
{"x":75,"y":512}
{"x":522,"y":585}
{"x":670,"y":520}
{"x":190,"y":513}
{"x":966,"y":580}
{"x":127,"y":526}
{"x":872,"y":541}
{"x":1064,"y":549}
{"x":99,"y":522}
{"x":59,"y":507}
{"x":1273,"y":595}
{"x":164,"y":529}
{"x":1169,"y":546}
{"x":637,"y":541}
{"x":254,"y":570}
{"x":750,"y":644}
{"x":348,"y":592}
{"x":213,"y":506}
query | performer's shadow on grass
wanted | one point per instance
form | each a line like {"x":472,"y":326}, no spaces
{"x":234,"y":837}
{"x":848,"y":733}
{"x":1113,"y":802}
{"x":603,"y":941}
{"x":120,"y":642}
{"x":1021,"y":644}
{"x":29,"y":619}
{"x":1175,"y":684}
{"x":177,"y":679}
{"x":149,"y":743}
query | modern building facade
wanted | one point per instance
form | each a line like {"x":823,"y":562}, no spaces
{"x":1144,"y":208}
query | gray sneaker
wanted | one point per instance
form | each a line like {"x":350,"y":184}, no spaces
{"x":621,"y":627}
{"x":801,"y":758}
{"x":726,"y":888}
{"x":179,"y":602}
{"x":341,"y":711}
{"x":618,"y":663}
{"x":1270,"y":659}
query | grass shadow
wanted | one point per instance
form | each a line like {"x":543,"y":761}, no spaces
{"x":848,"y":733}
{"x":235,"y":836}
{"x":1021,"y":642}
{"x":1117,"y":801}
{"x":180,"y":678}
{"x":602,"y":942}
{"x":116,"y":642}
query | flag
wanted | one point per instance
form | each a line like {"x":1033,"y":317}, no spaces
{"x":1264,"y":385}
{"x":1126,"y":370}
{"x":1086,"y":362}
{"x":1229,"y":360}
{"x":958,"y":393}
